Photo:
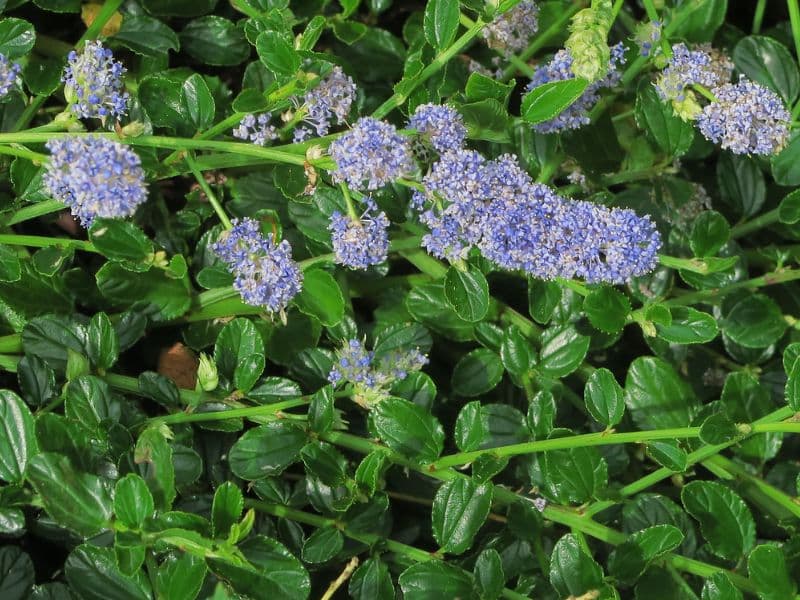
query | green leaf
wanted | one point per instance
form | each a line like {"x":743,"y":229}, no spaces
{"x":321,"y":412}
{"x":102,"y":344}
{"x":549,"y":100}
{"x":273,"y":572}
{"x":435,"y":580}
{"x":154,"y":456}
{"x":710,"y":232}
{"x":199,"y":101}
{"x":718,"y":429}
{"x":631,"y":558}
{"x":178,"y":8}
{"x":720,"y":587}
{"x":767,"y":568}
{"x":460,"y":508}
{"x":266,"y":450}
{"x":401,"y":337}
{"x":724,"y":518}
{"x":93,"y":573}
{"x":766,"y":61}
{"x":516,"y":352}
{"x":213,"y":40}
{"x":656,"y":396}
{"x":467,"y":292}
{"x":672,"y":134}
{"x":792,"y":388}
{"x":789,"y":208}
{"x":469,"y":431}
{"x":323,"y":545}
{"x":440,"y":22}
{"x":486,"y":120}
{"x":741,"y":183}
{"x":79,"y":501}
{"x":607,"y":309}
{"x":786,"y":164}
{"x":572,"y":571}
{"x":9,"y":265}
{"x":755,"y":321}
{"x":180,"y":577}
{"x":563,"y":350}
{"x":668,"y":454}
{"x":37,"y":381}
{"x":427,"y":304}
{"x":321,"y":297}
{"x":370,"y":471}
{"x":408,"y":429}
{"x":541,"y":414}
{"x":688,"y":326}
{"x":277,"y":54}
{"x":477,"y":372}
{"x":226,"y":509}
{"x":604,"y":398}
{"x":16,"y":37}
{"x":372,"y":581}
{"x":133,"y":502}
{"x":146,"y":36}
{"x":162,"y":100}
{"x":543,"y":297}
{"x":325,"y":462}
{"x":481,"y":87}
{"x":17,"y":437}
{"x":702,"y":21}
{"x":574,"y":474}
{"x":488,"y":572}
{"x":155,"y":293}
{"x":17,"y":574}
{"x":239,"y":354}
{"x":42,"y":75}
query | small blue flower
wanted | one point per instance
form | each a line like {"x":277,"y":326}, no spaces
{"x":95,"y":177}
{"x":8,"y":75}
{"x":441,"y":125}
{"x":358,"y":244}
{"x":93,"y":82}
{"x":747,"y":118}
{"x":687,"y":67}
{"x":511,"y":31}
{"x":328,"y":102}
{"x":264,"y":273}
{"x":371,"y":155}
{"x":559,"y":68}
{"x":256,"y":129}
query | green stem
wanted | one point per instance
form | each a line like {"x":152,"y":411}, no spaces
{"x":351,"y":210}
{"x":100,"y":20}
{"x":32,"y":211}
{"x":705,"y":92}
{"x":266,"y":410}
{"x":30,"y":112}
{"x":794,"y":19}
{"x":652,"y":14}
{"x":39,"y":241}
{"x":780,"y":276}
{"x":758,"y":16}
{"x":763,"y":220}
{"x":212,"y":197}
{"x":22,"y":152}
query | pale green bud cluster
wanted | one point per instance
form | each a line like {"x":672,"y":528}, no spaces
{"x":587,"y":42}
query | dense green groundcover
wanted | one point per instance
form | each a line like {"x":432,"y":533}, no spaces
{"x":565,"y":440}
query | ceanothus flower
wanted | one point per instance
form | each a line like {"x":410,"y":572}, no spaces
{"x":371,"y":155}
{"x":264,"y":273}
{"x":8,"y":75}
{"x":256,"y":129}
{"x":371,"y":379}
{"x":510,"y":32}
{"x":95,"y":177}
{"x":746,"y":118}
{"x":687,"y":67}
{"x":93,"y":82}
{"x":360,"y":243}
{"x":559,"y":68}
{"x":647,"y":35}
{"x":439,"y":124}
{"x":326,"y":103}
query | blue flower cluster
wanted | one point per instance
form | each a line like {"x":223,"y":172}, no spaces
{"x":524,"y":226}
{"x":560,"y":69}
{"x":371,"y":155}
{"x":8,"y":75}
{"x":93,"y":82}
{"x":648,"y":35}
{"x":357,"y":366}
{"x":264,"y":273}
{"x":326,"y":103}
{"x":440,"y":125}
{"x":256,"y":129}
{"x":687,"y":67}
{"x":95,"y":177}
{"x":511,"y":31}
{"x":746,"y":118}
{"x":360,"y":243}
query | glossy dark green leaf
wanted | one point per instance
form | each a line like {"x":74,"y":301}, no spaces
{"x":792,"y":388}
{"x":786,"y":164}
{"x":321,"y":412}
{"x":741,"y":183}
{"x":607,"y":309}
{"x":469,"y":430}
{"x":372,"y":581}
{"x":408,"y":429}
{"x":321,"y":297}
{"x":703,"y":20}
{"x":488,"y":574}
{"x":9,"y":264}
{"x":16,"y":37}
{"x":226,"y":508}
{"x":563,"y":350}
{"x":277,"y":54}
{"x":441,"y":22}
{"x":630,"y":559}
{"x":322,"y":545}
{"x":199,"y":102}
{"x":133,"y":502}
{"x":266,"y":450}
{"x":543,"y":297}
{"x":427,"y":304}
{"x":467,"y":292}
{"x":516,"y":352}
{"x":239,"y":354}
{"x":17,"y":438}
{"x":213,"y":40}
{"x":688,"y":326}
{"x":477,"y":372}
{"x":668,"y":454}
{"x":768,"y":571}
{"x":102,"y":344}
{"x":146,"y":36}
{"x":575,"y":474}
{"x":16,"y":573}
{"x":159,"y":295}
{"x":541,"y":414}
{"x":656,"y":396}
{"x":180,"y":577}
{"x":153,"y":454}
{"x":460,"y":508}
{"x":672,"y":134}
{"x":573,"y":572}
{"x":724,"y":518}
{"x":93,"y":573}
{"x":547,"y":101}
{"x":720,"y":587}
{"x":604,"y":398}
{"x":755,"y":321}
{"x":710,"y":232}
{"x":718,"y":429}
{"x":325,"y":462}
{"x":434,"y":580}
{"x":766,"y":61}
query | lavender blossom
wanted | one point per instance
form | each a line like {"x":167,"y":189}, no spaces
{"x":358,"y":244}
{"x":747,"y":118}
{"x":441,"y":125}
{"x":8,"y":75}
{"x":256,"y":129}
{"x":511,"y":31}
{"x":685,"y":68}
{"x":264,"y":273}
{"x":371,"y":155}
{"x":576,"y":115}
{"x":95,"y":177}
{"x":328,"y":102}
{"x":93,"y":83}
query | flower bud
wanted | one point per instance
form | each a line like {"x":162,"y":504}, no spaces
{"x":207,"y":377}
